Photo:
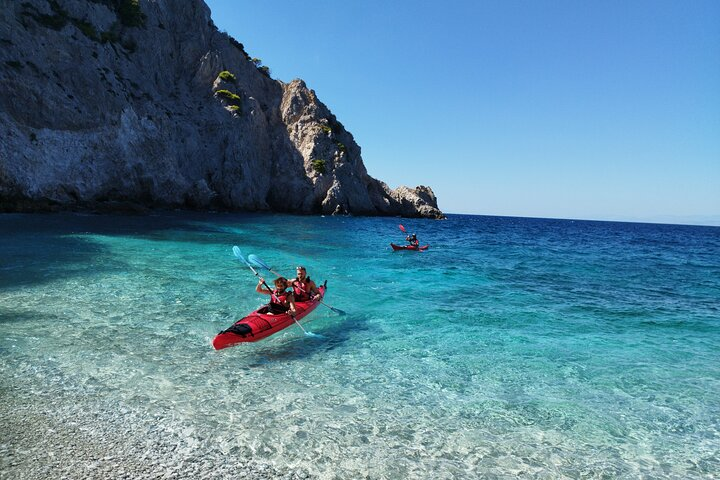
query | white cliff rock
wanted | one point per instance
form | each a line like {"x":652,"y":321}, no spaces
{"x":105,"y":105}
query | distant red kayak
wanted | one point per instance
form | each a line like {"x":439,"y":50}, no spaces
{"x":409,"y":247}
{"x":257,"y":326}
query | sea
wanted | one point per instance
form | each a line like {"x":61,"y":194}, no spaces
{"x":511,"y":348}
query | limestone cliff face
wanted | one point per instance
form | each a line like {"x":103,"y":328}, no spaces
{"x":119,"y":103}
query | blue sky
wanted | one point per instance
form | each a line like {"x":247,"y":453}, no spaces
{"x":563,"y":109}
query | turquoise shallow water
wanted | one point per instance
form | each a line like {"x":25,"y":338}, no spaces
{"x":513,"y":346}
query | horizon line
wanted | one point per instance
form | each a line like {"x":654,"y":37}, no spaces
{"x":679,"y":222}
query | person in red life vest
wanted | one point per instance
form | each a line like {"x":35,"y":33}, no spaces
{"x":304,"y":289}
{"x":412,"y":240}
{"x":281,"y":300}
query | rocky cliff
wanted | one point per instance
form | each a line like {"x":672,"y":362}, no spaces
{"x":125,"y":104}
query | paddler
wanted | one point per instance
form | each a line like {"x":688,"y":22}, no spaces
{"x":281,"y":300}
{"x":412,"y":240}
{"x":303,"y":288}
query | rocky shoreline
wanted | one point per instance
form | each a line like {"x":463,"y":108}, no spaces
{"x":127,"y":105}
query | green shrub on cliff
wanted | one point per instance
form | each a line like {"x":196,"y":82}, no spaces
{"x":56,"y":21}
{"x":228,"y":95}
{"x":86,"y":28}
{"x":239,"y":46}
{"x":227,"y":76}
{"x":261,"y":68}
{"x":319,"y":165}
{"x":264,"y":70}
{"x":129,"y":13}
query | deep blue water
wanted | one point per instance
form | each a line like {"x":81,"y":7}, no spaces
{"x":512,"y":347}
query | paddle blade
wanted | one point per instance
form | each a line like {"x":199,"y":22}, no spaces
{"x":402,"y":228}
{"x":307,"y":332}
{"x":238,"y":254}
{"x":257,"y":261}
{"x":240,"y":257}
{"x":337,"y":310}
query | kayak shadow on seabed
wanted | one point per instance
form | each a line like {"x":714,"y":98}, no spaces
{"x":297,"y":346}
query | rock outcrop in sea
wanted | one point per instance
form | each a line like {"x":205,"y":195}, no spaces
{"x":127,"y":104}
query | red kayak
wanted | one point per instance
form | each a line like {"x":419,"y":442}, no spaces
{"x":257,"y":326}
{"x":409,"y":247}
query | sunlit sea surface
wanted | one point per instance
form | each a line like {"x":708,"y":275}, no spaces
{"x":512,"y":347}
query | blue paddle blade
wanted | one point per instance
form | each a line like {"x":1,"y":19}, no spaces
{"x":240,"y":256}
{"x":336,"y":310}
{"x":256,"y":261}
{"x":238,"y":253}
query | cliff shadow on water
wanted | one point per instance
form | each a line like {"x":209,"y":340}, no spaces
{"x":36,"y":249}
